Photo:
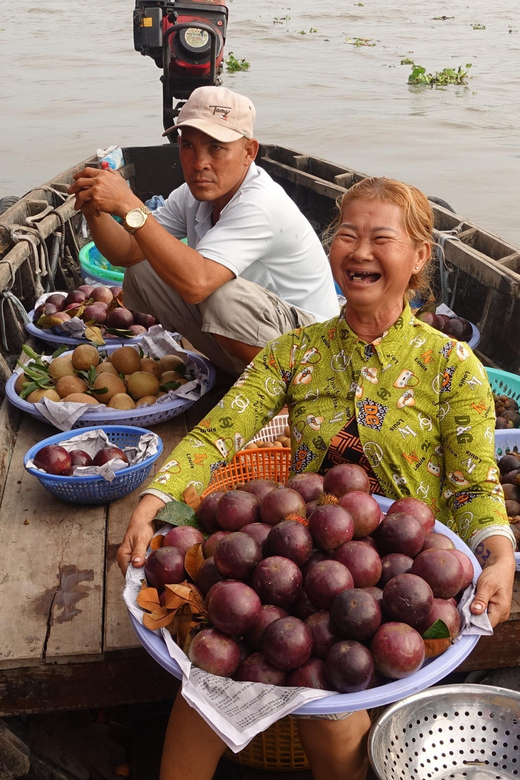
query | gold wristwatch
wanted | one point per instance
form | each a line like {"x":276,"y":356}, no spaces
{"x":136,"y":218}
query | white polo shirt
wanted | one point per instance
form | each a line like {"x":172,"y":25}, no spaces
{"x":262,"y":236}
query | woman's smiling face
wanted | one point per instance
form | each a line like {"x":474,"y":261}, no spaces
{"x":372,"y":257}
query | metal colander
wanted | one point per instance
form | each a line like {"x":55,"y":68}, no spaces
{"x":454,"y":732}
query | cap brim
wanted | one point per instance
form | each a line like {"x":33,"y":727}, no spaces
{"x":224,"y":134}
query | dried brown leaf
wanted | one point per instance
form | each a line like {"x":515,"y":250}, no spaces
{"x":192,"y":498}
{"x":93,"y":334}
{"x":156,"y":542}
{"x":185,"y":593}
{"x":435,"y":647}
{"x":159,"y":619}
{"x":193,"y":560}
{"x":148,"y":598}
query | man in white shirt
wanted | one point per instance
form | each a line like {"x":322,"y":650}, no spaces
{"x":253,"y":267}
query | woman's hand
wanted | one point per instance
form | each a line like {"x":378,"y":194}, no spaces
{"x":139,"y":532}
{"x":495,"y":584}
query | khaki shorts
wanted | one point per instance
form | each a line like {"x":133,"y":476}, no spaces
{"x":240,"y":310}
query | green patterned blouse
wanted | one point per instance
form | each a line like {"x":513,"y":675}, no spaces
{"x":422,"y":401}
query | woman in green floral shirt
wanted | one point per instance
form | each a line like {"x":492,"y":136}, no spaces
{"x":413,"y":405}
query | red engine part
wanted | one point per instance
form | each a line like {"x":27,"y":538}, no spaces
{"x":189,"y":47}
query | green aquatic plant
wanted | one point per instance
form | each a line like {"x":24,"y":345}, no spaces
{"x":440,"y":78}
{"x":479,"y":26}
{"x":233,"y":65}
{"x":280,"y":19}
{"x":357,"y":42}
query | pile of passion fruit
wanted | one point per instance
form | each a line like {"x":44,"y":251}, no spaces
{"x":457,"y":327}
{"x":307,"y":584}
{"x":509,"y":466}
{"x":98,"y":306}
{"x":125,"y":379}
{"x":506,"y":412}
{"x":55,"y":459}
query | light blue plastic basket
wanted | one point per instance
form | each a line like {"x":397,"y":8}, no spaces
{"x":95,"y":266}
{"x":504,"y":383}
{"x":94,"y":489}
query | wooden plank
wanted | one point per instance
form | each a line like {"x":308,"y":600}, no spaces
{"x":9,"y":422}
{"x":118,"y":679}
{"x":301,"y":178}
{"x":52,"y":560}
{"x":497,"y":651}
{"x":482,"y":268}
{"x":118,"y":631}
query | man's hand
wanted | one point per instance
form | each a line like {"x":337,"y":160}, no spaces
{"x":139,"y":532}
{"x":102,"y":191}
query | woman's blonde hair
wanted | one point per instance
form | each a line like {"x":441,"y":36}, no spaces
{"x":417,"y":218}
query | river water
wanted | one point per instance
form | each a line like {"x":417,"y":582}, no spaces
{"x":71,"y":82}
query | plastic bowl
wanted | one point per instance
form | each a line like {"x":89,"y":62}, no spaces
{"x":94,"y":489}
{"x":264,"y":463}
{"x":55,"y":336}
{"x":97,"y":267}
{"x":142,"y":416}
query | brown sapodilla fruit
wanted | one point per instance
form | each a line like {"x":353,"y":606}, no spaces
{"x":84,"y":357}
{"x":70,"y":384}
{"x":121,"y":401}
{"x":126,"y":360}
{"x":80,"y":398}
{"x":61,"y":366}
{"x":40,"y":393}
{"x":142,"y":383}
{"x":110,"y":385}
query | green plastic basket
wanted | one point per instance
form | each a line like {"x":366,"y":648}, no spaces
{"x":504,"y":383}
{"x":95,"y":266}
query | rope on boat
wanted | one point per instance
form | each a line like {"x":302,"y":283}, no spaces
{"x":7,"y":295}
{"x":447,"y":293}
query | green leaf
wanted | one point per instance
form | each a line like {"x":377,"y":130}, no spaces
{"x":60,"y":351}
{"x":170,"y":386}
{"x":30,"y":352}
{"x":122,"y":332}
{"x":177,"y":513}
{"x":99,"y":390}
{"x":27,"y":389}
{"x":439,"y":630}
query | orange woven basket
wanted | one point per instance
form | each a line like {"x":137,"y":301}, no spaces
{"x":262,"y":463}
{"x":277,"y":749}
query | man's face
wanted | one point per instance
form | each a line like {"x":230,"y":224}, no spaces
{"x":214,"y":170}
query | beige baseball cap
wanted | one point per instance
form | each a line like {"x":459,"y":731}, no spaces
{"x":218,"y":112}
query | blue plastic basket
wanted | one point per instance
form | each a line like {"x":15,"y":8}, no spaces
{"x":94,"y":489}
{"x":504,"y":383}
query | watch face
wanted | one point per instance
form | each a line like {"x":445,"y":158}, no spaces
{"x":135,"y":218}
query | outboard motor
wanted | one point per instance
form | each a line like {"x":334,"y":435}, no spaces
{"x":186,"y":39}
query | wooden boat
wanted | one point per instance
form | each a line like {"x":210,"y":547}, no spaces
{"x":65,"y":638}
